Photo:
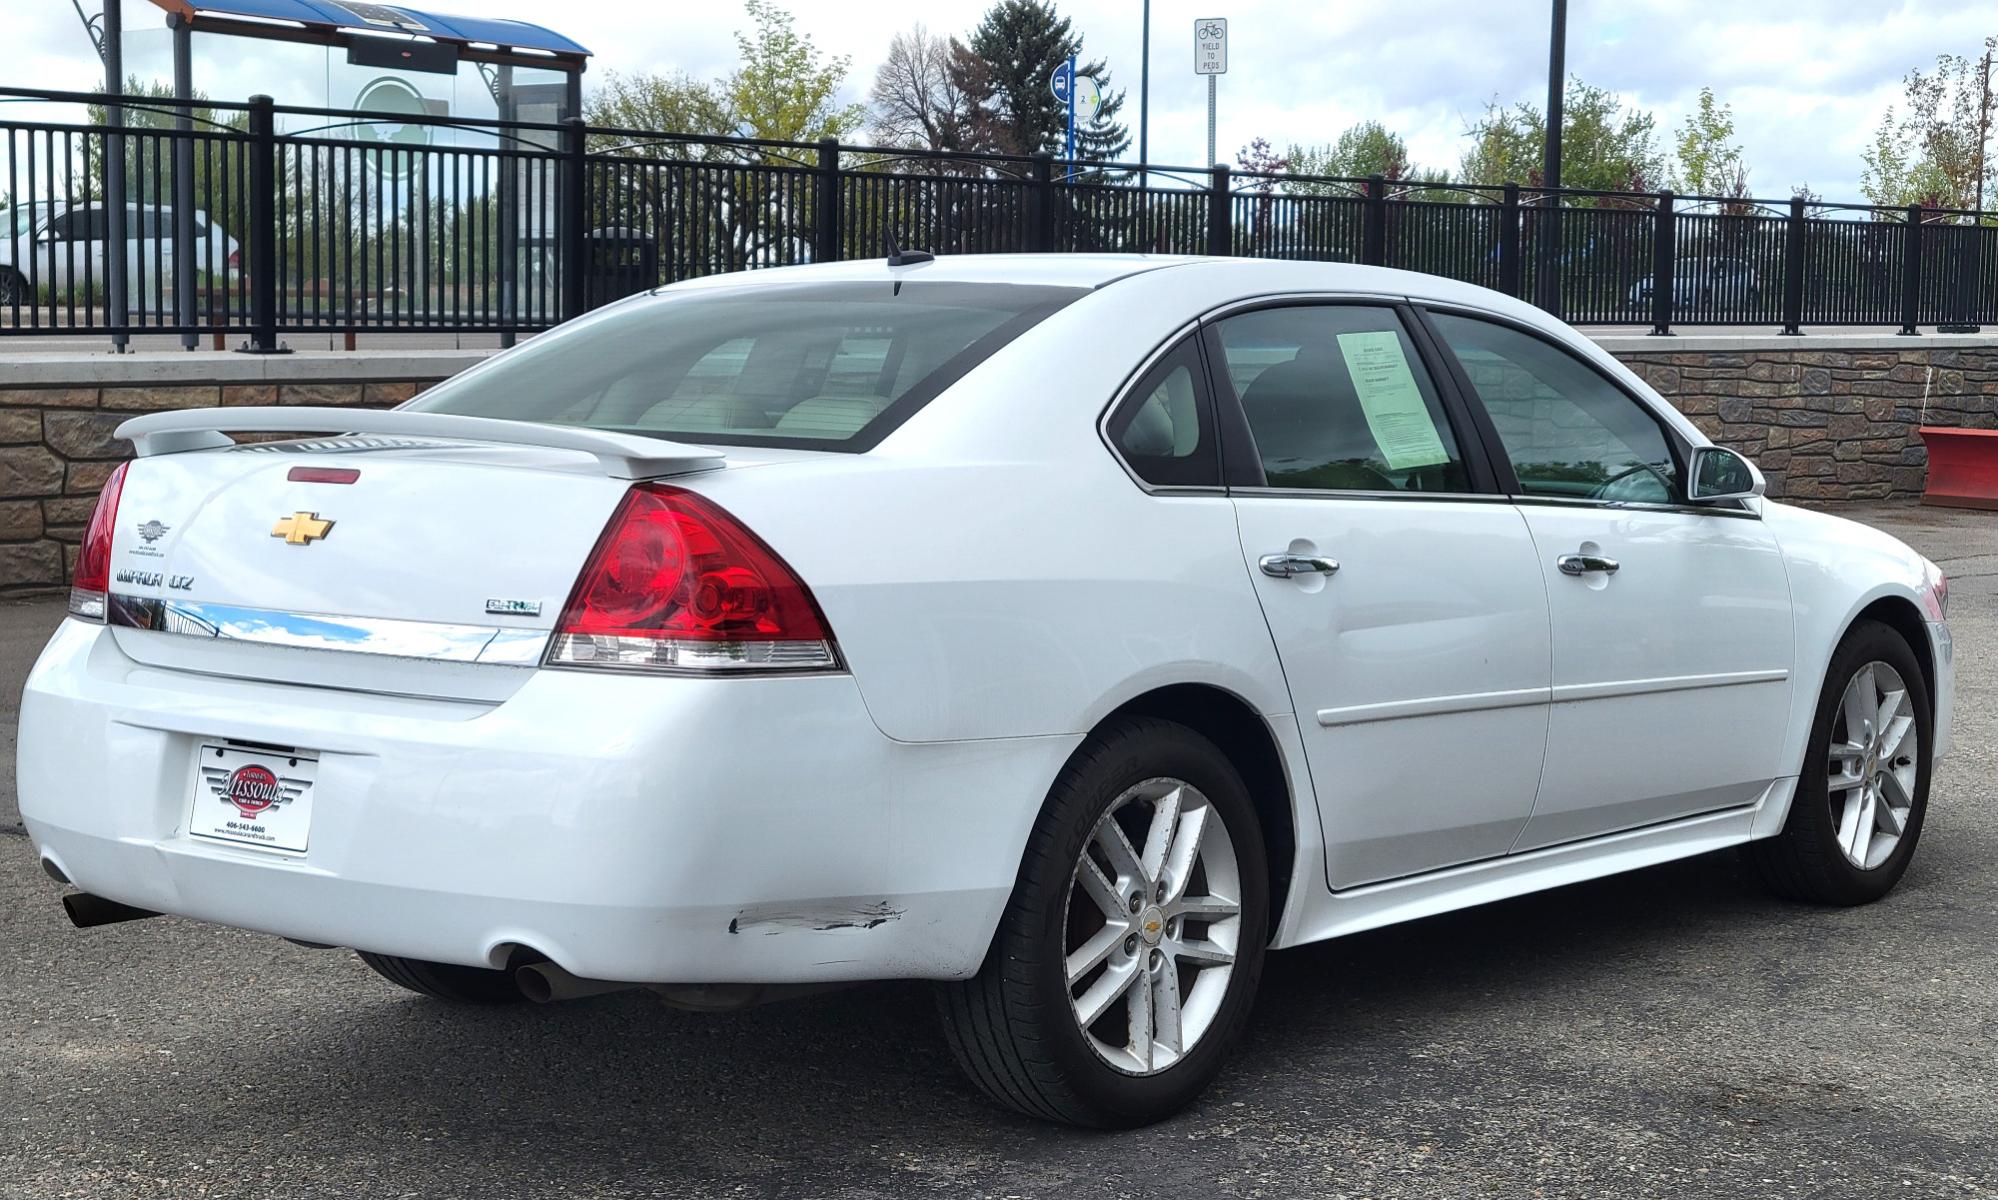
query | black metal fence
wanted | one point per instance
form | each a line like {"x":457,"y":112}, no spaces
{"x":262,"y":220}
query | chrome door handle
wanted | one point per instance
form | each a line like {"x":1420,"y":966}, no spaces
{"x":1584,"y":564}
{"x":1284,"y":566}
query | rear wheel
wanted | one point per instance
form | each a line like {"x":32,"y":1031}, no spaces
{"x":1128,"y":957}
{"x":13,"y":289}
{"x":445,"y":981}
{"x":1864,"y":789}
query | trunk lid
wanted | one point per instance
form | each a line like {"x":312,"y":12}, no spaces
{"x":437,"y":571}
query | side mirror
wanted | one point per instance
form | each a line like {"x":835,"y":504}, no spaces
{"x":1720,"y":474}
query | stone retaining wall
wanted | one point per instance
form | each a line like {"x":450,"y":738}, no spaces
{"x":1828,"y":425}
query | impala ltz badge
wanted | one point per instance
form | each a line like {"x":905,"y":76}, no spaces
{"x":252,"y":788}
{"x":301,"y":529}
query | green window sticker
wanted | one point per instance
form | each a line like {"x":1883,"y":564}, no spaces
{"x":1386,"y":386}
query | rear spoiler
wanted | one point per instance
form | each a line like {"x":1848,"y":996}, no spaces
{"x":623,"y":455}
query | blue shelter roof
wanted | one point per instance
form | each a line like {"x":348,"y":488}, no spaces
{"x":356,"y":15}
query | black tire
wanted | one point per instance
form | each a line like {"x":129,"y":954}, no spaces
{"x":13,"y":289}
{"x":1011,"y":1026}
{"x":446,"y":981}
{"x":1804,"y":862}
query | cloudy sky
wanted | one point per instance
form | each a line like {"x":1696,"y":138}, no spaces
{"x":1808,"y":79}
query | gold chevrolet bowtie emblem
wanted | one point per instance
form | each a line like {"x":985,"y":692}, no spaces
{"x":301,"y":529}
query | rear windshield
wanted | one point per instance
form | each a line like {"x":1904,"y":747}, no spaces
{"x":829,"y":366}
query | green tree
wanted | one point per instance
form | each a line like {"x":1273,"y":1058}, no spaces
{"x":783,"y":87}
{"x":1506,"y":146}
{"x":1604,"y":147}
{"x":1012,"y":54}
{"x":1708,"y":159}
{"x":1368,"y":148}
{"x":1934,"y":150}
{"x":674,"y":103}
{"x":149,"y":162}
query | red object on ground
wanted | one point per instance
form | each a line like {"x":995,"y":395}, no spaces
{"x":1963,"y":467}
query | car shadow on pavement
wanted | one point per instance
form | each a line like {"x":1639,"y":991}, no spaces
{"x":620,"y":1079}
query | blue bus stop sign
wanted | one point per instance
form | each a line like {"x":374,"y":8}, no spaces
{"x":1062,"y":84}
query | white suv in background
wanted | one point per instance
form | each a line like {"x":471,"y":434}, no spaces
{"x":56,"y":253}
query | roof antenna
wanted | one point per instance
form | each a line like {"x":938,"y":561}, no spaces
{"x":898,"y":257}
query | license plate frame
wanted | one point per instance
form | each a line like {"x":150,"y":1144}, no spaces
{"x":253,"y":798}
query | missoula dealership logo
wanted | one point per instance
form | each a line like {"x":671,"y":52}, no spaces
{"x":150,"y":532}
{"x":252,"y":789}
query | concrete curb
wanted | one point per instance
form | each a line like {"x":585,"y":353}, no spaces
{"x":1620,"y":342}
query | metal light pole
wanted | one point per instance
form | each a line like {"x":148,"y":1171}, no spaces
{"x":117,"y":308}
{"x":184,"y":313}
{"x":1145,"y":93}
{"x":1556,"y":72}
{"x":1548,"y":290}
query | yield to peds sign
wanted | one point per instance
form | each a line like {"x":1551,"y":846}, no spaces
{"x":1210,"y":46}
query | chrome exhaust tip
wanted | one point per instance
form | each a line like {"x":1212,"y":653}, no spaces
{"x":546,"y":983}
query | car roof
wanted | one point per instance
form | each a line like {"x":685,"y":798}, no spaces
{"x":1053,"y":270}
{"x":1230,"y":277}
{"x":1085,"y":270}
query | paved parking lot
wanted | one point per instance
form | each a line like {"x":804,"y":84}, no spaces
{"x":1670,"y":1033}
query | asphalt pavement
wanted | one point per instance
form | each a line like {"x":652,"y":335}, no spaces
{"x":1672,"y":1033}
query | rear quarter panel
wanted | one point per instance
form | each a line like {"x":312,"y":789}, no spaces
{"x":991,"y":571}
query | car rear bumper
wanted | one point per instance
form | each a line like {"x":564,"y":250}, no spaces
{"x":655,"y":829}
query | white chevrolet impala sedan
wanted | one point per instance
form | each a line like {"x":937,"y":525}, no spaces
{"x":1067,"y":630}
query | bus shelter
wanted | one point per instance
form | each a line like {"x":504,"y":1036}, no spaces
{"x":344,"y":56}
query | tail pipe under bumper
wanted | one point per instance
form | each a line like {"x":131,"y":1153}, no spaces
{"x":87,"y":911}
{"x":546,"y":983}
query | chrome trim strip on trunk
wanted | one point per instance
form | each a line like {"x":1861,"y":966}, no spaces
{"x":434,"y":641}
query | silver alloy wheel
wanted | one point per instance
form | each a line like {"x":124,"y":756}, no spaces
{"x":1152,"y":922}
{"x":1873,"y":765}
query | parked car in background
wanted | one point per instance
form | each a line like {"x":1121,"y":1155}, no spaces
{"x":1068,"y":630}
{"x":58,"y":252}
{"x":1720,"y":284}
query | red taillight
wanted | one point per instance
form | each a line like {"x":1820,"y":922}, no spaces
{"x":92,"y":580}
{"x":676,"y":583}
{"x":236,"y":260}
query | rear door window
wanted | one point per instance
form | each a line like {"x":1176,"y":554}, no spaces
{"x":1337,"y":399}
